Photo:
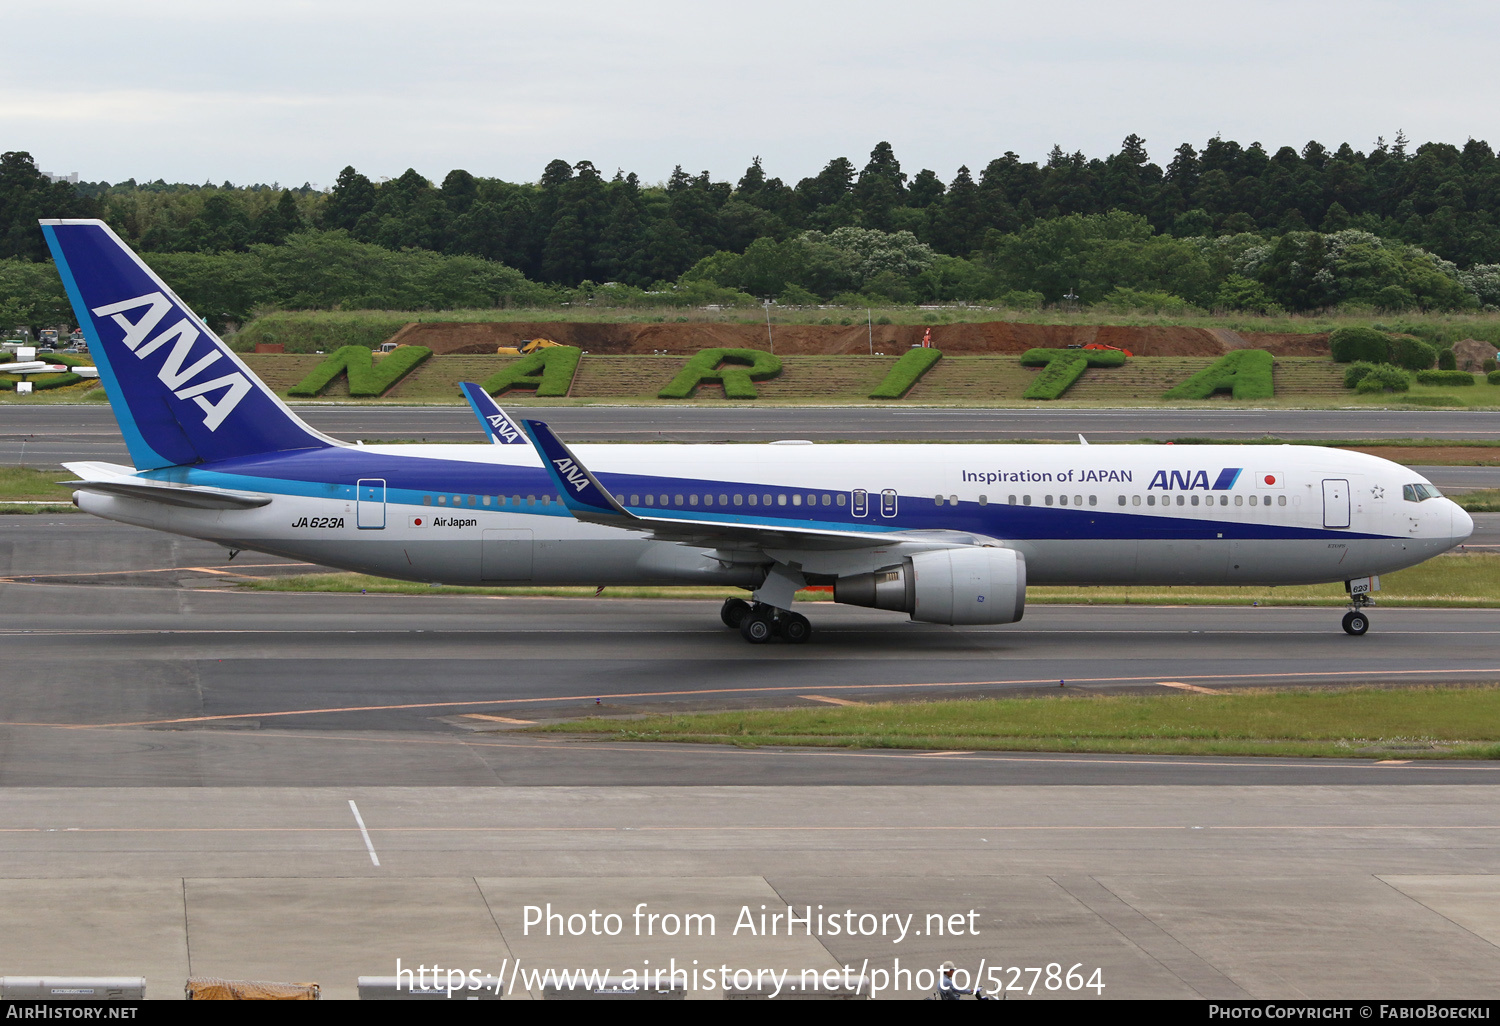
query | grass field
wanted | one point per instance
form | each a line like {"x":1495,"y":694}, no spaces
{"x":1459,"y":580}
{"x":1406,"y":723}
{"x":967,"y":381}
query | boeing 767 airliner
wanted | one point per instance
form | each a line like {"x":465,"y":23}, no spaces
{"x":948,"y":534}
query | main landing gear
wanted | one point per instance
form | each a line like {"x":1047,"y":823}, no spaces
{"x":759,"y":623}
{"x":1357,"y":621}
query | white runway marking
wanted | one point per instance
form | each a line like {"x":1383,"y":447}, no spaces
{"x":369,"y":845}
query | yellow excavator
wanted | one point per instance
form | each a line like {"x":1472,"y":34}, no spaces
{"x":527,"y":347}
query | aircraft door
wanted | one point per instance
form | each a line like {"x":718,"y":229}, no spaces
{"x":860,"y":502}
{"x":370,"y":512}
{"x":888,"y":502}
{"x":1335,"y":503}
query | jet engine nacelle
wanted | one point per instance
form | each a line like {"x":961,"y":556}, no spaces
{"x":953,"y":586}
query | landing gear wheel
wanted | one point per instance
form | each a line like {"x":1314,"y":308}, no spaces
{"x":756,"y":627}
{"x":795,"y":628}
{"x":1356,"y":622}
{"x":733,"y":612}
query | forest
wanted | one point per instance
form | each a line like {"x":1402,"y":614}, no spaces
{"x":1227,"y":227}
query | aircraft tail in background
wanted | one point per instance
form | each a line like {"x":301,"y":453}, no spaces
{"x":180,"y":394}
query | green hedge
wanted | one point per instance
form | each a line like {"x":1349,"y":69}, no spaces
{"x":1351,"y":344}
{"x":550,"y":371}
{"x":1445,"y":377}
{"x":746,"y":366}
{"x":1412,"y":353}
{"x":1244,"y":374}
{"x":1493,"y":377}
{"x":1384,"y":378}
{"x":907,"y":372}
{"x":1447,"y":360}
{"x":1063,"y":367}
{"x":366,"y":377}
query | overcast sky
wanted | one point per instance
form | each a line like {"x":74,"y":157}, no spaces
{"x":291,"y":91}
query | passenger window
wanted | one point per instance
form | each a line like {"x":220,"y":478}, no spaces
{"x":1010,"y":501}
{"x":692,"y":500}
{"x":486,"y":500}
{"x":442,"y":500}
{"x":1093,"y":500}
{"x":827,"y":499}
{"x":984,"y":500}
{"x":739,"y":500}
{"x":724,"y":500}
{"x":1151,"y":500}
{"x":953,"y":500}
{"x":780,"y":500}
{"x":635,"y":500}
{"x":1252,"y":500}
{"x":937,"y":500}
{"x":427,"y":500}
{"x":651,"y":500}
{"x":1026,"y":500}
{"x":664,"y":499}
{"x":754,"y":499}
{"x":1122,"y":500}
{"x":1048,"y":500}
{"x":1195,"y":500}
{"x":1181,"y":501}
{"x":546,"y":500}
{"x":474,"y":500}
{"x":1281,"y":500}
{"x":1223,"y":500}
{"x":1062,"y":500}
{"x":812,"y":500}
{"x":1135,"y":500}
{"x":677,"y":500}
{"x":840,"y":498}
{"x":515,"y":500}
{"x":458,"y":500}
{"x":531,"y":500}
{"x":765,"y":500}
{"x":1078,"y":500}
{"x":796,"y":500}
{"x":1239,"y":500}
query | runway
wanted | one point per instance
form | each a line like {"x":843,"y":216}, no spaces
{"x":197,"y":780}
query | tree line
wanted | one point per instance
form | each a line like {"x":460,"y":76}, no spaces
{"x":1229,"y":225}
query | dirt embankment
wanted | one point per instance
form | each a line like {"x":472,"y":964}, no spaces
{"x":977,"y":339}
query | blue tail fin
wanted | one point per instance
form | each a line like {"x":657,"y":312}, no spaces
{"x":179,"y":393}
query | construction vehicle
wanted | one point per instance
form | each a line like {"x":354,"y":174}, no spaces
{"x":527,"y":347}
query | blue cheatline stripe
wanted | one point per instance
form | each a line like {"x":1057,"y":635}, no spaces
{"x":141,"y":453}
{"x":1011,"y":523}
{"x":1226,"y":479}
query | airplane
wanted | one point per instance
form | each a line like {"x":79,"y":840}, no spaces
{"x":948,"y":534}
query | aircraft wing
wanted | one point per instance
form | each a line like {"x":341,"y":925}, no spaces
{"x":591,"y":502}
{"x":112,"y":479}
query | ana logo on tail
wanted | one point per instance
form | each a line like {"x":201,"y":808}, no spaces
{"x":569,"y":470}
{"x":172,"y":372}
{"x":504,"y":430}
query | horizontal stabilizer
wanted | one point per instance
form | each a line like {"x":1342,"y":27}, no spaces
{"x":114,"y":479}
{"x":174,"y":495}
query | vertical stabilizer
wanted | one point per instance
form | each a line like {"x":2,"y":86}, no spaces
{"x":180,"y":394}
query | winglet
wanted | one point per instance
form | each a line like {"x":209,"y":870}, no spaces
{"x":581,"y":492}
{"x":497,"y":424}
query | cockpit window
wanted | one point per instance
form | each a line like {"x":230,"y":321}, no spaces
{"x":1419,"y":492}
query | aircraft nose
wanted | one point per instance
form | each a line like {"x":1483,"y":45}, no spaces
{"x":1463,"y":524}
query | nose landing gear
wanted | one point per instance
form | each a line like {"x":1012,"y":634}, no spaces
{"x":1357,"y":621}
